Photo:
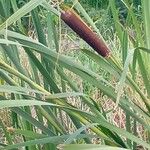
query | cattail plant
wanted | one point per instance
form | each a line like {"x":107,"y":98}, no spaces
{"x":37,"y":92}
{"x":74,"y":21}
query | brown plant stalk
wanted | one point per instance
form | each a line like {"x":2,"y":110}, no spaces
{"x":73,"y":20}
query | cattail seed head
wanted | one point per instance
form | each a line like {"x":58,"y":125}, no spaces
{"x":73,"y":20}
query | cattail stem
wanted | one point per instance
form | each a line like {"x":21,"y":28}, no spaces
{"x":73,"y":20}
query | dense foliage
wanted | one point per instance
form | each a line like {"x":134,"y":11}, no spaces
{"x":58,"y":93}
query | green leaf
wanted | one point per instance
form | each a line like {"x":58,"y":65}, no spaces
{"x":20,"y":13}
{"x":89,"y":147}
{"x":121,"y":83}
{"x":53,"y":139}
{"x":17,"y":89}
{"x":19,"y":103}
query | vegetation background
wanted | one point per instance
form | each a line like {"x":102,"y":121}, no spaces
{"x":56,"y":92}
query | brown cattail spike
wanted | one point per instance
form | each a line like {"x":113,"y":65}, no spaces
{"x":77,"y":25}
